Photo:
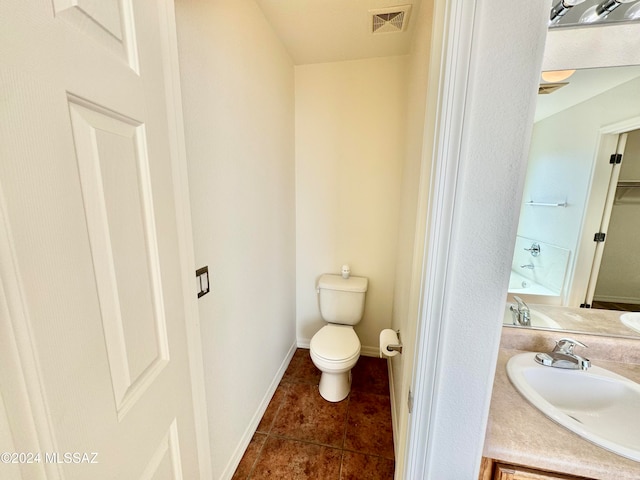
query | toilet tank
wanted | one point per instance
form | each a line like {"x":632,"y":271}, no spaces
{"x":342,"y":299}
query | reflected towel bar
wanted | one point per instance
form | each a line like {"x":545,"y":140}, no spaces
{"x":541,"y":204}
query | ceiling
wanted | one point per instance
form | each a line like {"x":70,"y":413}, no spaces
{"x":318,"y":31}
{"x":583,"y":85}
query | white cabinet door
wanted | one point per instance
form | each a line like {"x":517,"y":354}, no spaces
{"x":91,"y":274}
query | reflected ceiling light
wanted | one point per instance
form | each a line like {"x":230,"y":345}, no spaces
{"x":600,"y":11}
{"x":560,"y":8}
{"x":555,"y":76}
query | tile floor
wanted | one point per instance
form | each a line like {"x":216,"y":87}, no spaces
{"x":624,"y":307}
{"x":302,"y":436}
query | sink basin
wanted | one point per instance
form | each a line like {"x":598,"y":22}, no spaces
{"x":599,"y":405}
{"x":538,"y":319}
{"x":631,"y":320}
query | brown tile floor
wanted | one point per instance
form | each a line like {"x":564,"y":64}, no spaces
{"x":302,"y":436}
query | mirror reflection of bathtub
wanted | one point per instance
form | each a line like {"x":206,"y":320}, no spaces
{"x":519,"y":285}
{"x":538,"y":272}
{"x":538,"y":277}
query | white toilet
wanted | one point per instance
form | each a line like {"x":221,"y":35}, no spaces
{"x":335,"y":348}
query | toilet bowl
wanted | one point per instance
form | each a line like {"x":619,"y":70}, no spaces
{"x":335,"y":348}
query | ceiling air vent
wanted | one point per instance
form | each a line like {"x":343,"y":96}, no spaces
{"x":547,"y":88}
{"x":389,"y":20}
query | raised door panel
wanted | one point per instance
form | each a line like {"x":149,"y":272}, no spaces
{"x":165,"y":461}
{"x":108,"y":22}
{"x":111,"y":152}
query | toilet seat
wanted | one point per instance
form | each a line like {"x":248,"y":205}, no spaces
{"x":334,"y":350}
{"x":336,"y":343}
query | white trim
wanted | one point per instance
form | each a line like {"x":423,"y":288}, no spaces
{"x":614,"y":299}
{"x":236,"y":457}
{"x":304,"y":343}
{"x":366,"y":351}
{"x":622,"y":126}
{"x":453,"y":50}
{"x":459,"y":328}
{"x":395,"y":421}
{"x":594,"y":208}
{"x":605,"y":218}
{"x":185,"y":233}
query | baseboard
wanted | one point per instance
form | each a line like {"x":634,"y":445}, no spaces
{"x":364,"y":350}
{"x":613,"y":299}
{"x":233,"y":463}
{"x":394,"y":412}
{"x":370,"y":351}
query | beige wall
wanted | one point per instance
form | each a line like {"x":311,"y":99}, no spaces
{"x":350,"y":130}
{"x":238,"y":93}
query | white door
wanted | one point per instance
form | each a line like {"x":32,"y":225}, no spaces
{"x":604,"y":217}
{"x":91,"y":290}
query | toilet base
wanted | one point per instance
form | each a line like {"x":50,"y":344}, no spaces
{"x":334,"y":387}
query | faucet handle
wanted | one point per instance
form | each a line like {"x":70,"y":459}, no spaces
{"x":566,"y":345}
{"x":520,"y":302}
{"x":562,"y":356}
{"x":534,"y":250}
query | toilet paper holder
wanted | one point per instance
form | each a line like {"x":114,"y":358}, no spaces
{"x":394,"y":348}
{"x":390,"y":343}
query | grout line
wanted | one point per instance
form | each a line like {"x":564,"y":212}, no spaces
{"x":255,"y":462}
{"x":318,"y":444}
{"x":308,"y":442}
{"x":368,"y":454}
{"x":346,"y":422}
{"x":282,"y":402}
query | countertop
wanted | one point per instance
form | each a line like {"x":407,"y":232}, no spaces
{"x":520,"y":434}
{"x":593,"y":320}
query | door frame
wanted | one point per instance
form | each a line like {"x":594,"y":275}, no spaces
{"x":185,"y":235}
{"x":458,"y":327}
{"x":587,"y":262}
{"x":604,"y":222}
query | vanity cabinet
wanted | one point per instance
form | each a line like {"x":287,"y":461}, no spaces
{"x":492,"y":470}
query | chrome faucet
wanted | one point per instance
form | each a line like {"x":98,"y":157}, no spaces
{"x":562,"y":356}
{"x":521,"y":313}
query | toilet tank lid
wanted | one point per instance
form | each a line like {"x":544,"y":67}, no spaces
{"x":336,"y":282}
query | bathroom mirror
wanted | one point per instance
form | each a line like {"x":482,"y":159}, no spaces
{"x":568,"y":191}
